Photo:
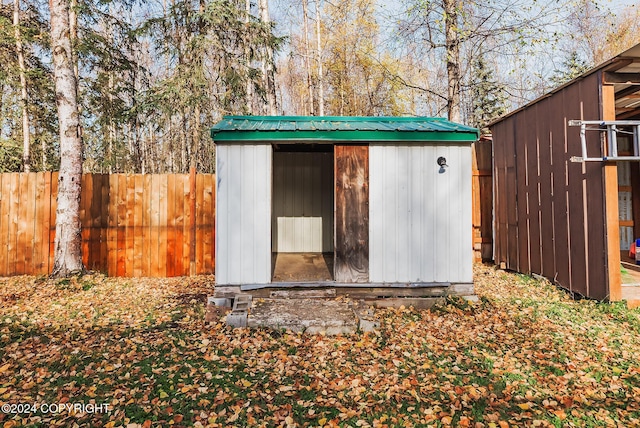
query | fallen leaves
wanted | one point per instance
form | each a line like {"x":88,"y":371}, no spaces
{"x":525,"y":355}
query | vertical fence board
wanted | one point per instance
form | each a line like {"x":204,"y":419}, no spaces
{"x":5,"y":201}
{"x":112,"y":230}
{"x":94,"y":212}
{"x":85,"y":216}
{"x":162,"y":226}
{"x":154,"y":225}
{"x":38,"y":217}
{"x":186,"y":226}
{"x":482,"y":190}
{"x":53,"y":216}
{"x":121,"y":217}
{"x":96,"y":223}
{"x":199,"y":221}
{"x":207,"y":236}
{"x":170,"y":223}
{"x":12,"y":241}
{"x":27,"y":212}
{"x":192,"y":222}
{"x":45,"y":208}
{"x":146,"y":225}
{"x":179,"y":225}
{"x":20,"y":205}
{"x":138,"y":253}
{"x":46,"y":224}
{"x":130,"y":200}
{"x":212,"y":223}
{"x":104,"y":222}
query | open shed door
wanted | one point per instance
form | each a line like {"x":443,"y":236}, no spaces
{"x":302,"y":201}
{"x":352,"y":213}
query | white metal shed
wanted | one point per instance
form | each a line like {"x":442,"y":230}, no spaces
{"x":373,"y":202}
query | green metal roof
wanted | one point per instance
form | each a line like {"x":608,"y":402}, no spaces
{"x":340,"y":128}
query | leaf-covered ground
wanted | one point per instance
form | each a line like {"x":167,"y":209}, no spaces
{"x":525,"y":355}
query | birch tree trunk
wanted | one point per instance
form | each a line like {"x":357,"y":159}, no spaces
{"x":452,"y":11}
{"x":319,"y":59}
{"x":307,"y":54}
{"x":73,"y":34}
{"x":24,"y":100}
{"x":68,"y":249}
{"x":247,"y":55}
{"x":269,"y":69}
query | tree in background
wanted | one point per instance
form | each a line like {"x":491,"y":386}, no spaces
{"x":24,"y":96}
{"x":572,"y":67}
{"x":457,"y":32}
{"x":153,"y":78}
{"x":347,"y":72}
{"x":28,"y":124}
{"x":205,"y":56}
{"x":488,"y":97}
{"x":356,"y":81}
{"x":68,"y":250}
{"x":623,"y":32}
{"x":596,"y":34}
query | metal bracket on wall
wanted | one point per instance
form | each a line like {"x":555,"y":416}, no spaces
{"x":611,"y":129}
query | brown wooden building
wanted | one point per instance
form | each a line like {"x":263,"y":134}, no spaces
{"x":563,"y":213}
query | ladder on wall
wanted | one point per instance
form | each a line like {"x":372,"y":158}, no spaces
{"x":612,"y":130}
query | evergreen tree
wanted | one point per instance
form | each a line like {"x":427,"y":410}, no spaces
{"x":488,"y":97}
{"x":572,"y":67}
{"x":36,"y":75}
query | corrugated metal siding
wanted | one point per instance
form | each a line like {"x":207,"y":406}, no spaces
{"x":243,"y":214}
{"x":420,"y":218}
{"x":549,"y":212}
{"x":302,"y":202}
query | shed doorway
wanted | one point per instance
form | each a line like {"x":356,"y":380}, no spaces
{"x":302,"y":221}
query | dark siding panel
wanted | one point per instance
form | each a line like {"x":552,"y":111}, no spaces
{"x":576,"y":209}
{"x":533,"y":199}
{"x":558,"y":173}
{"x":500,"y":194}
{"x":521,"y":188}
{"x":352,"y":213}
{"x":556,"y":205}
{"x":597,"y":284}
{"x":497,"y":197}
{"x":541,"y":129}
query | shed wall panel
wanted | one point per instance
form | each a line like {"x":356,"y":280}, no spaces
{"x":302,"y":202}
{"x":243,"y":220}
{"x":563,"y":213}
{"x":420,"y":214}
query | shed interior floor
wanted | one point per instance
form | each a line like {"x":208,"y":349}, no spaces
{"x":302,"y":267}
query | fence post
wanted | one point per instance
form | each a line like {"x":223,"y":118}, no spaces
{"x":192,"y":219}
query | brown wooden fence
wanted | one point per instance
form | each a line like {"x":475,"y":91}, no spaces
{"x":482,"y":189}
{"x":132,"y":225}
